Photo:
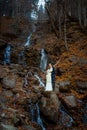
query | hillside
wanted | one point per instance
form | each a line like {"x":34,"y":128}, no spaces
{"x":71,"y":75}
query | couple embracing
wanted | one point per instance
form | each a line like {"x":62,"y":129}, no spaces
{"x":50,"y":78}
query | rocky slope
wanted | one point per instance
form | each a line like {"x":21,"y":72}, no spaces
{"x":66,"y":107}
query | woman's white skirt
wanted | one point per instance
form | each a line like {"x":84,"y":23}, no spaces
{"x":48,"y":87}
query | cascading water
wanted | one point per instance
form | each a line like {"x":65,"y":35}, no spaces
{"x":43,"y":61}
{"x":7,"y":54}
{"x":39,"y":80}
{"x":27,"y":44}
{"x":65,"y":119}
{"x":21,"y":58}
{"x":35,"y":115}
{"x":39,"y":120}
{"x":33,"y":112}
{"x":41,"y":5}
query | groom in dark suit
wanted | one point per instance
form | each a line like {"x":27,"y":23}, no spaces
{"x":53,"y":78}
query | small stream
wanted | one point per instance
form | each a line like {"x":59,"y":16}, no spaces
{"x":27,"y":44}
{"x":41,"y":83}
{"x":35,"y":115}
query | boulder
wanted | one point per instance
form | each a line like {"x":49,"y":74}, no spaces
{"x":69,"y":101}
{"x":7,"y":127}
{"x":9,"y":81}
{"x":50,"y":107}
{"x":54,"y":100}
{"x":8,"y":93}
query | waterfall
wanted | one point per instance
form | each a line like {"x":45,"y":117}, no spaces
{"x":39,"y":80}
{"x":66,"y":119}
{"x":39,"y":120}
{"x":27,"y":44}
{"x":34,"y":15}
{"x":43,"y":61}
{"x":7,"y":54}
{"x":41,"y":5}
{"x":21,"y":58}
{"x":35,"y":115}
{"x":33,"y":112}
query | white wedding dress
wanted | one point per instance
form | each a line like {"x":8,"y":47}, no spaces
{"x":49,"y":80}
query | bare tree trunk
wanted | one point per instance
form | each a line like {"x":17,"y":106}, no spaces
{"x":65,"y":37}
{"x":84,"y":13}
{"x":52,"y":21}
{"x":79,"y":12}
{"x":60,"y":32}
{"x":60,"y":15}
{"x":69,"y":8}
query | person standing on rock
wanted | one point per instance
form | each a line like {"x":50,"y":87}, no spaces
{"x":49,"y":78}
{"x":53,"y":77}
{"x":53,"y":74}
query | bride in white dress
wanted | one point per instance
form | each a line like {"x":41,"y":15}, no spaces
{"x":49,"y":78}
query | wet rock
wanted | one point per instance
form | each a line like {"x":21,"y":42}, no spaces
{"x":69,"y":101}
{"x":72,"y":100}
{"x":81,"y":84}
{"x":8,"y":93}
{"x":7,"y":127}
{"x":50,"y":106}
{"x":9,"y":81}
